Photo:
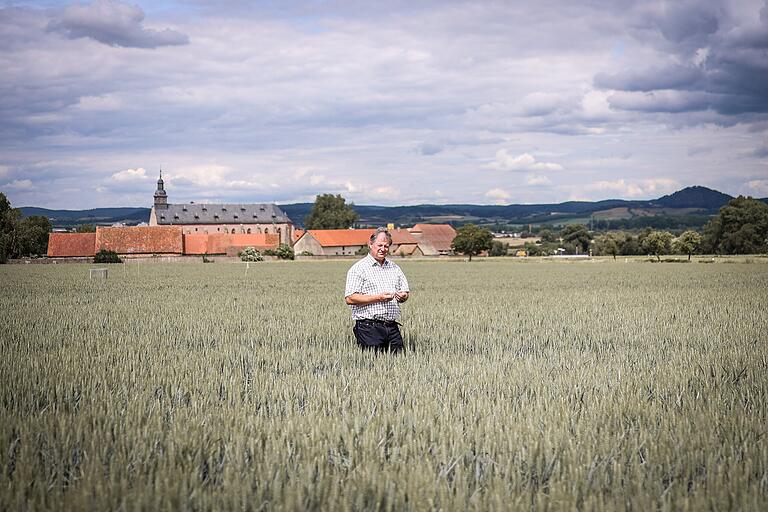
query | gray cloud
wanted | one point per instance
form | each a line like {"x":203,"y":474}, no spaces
{"x":307,"y":97}
{"x":113,"y":23}
{"x":720,"y":65}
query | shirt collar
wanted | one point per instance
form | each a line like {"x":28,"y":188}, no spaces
{"x":372,"y":261}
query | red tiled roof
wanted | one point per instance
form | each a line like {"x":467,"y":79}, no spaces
{"x":439,"y":235}
{"x":347,"y":237}
{"x":222,"y":243}
{"x":63,"y":245}
{"x":297,"y":234}
{"x":141,"y":240}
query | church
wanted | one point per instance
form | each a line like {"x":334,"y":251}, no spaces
{"x":220,"y":218}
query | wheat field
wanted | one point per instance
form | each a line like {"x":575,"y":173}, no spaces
{"x":527,"y":385}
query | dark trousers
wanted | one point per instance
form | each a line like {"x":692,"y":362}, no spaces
{"x":378,"y":335}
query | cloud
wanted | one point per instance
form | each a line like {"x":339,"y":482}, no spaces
{"x":113,"y":23}
{"x":524,"y":162}
{"x":130,"y":175}
{"x":709,"y":59}
{"x":632,"y":189}
{"x":759,"y":187}
{"x":537,"y":180}
{"x":498,"y":195}
{"x":761,"y":152}
{"x":19,"y":185}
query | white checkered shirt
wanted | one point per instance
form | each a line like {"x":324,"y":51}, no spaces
{"x":368,"y":277}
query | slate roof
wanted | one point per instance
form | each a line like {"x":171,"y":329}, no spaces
{"x":141,"y":240}
{"x":220,"y":214}
{"x":63,"y":245}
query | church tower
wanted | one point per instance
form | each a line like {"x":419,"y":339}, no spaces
{"x":161,"y":197}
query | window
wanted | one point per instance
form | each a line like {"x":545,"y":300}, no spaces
{"x":236,"y":217}
{"x":249,"y":231}
{"x":195,"y":229}
{"x":233,"y":231}
{"x":266,"y":231}
{"x":223,"y":208}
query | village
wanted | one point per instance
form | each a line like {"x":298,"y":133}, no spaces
{"x":225,"y":230}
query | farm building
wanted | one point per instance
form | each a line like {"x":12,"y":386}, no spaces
{"x":246,"y":219}
{"x":155,"y":240}
{"x":229,"y":244}
{"x":348,"y":242}
{"x":141,"y":241}
{"x":71,"y":245}
{"x":434,"y":239}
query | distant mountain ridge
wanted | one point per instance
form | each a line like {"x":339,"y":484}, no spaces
{"x":691,"y":201}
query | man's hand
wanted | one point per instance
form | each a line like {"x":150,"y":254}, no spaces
{"x":387,"y":296}
{"x":401,"y":296}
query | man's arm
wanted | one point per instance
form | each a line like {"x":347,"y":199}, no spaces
{"x":359,"y":299}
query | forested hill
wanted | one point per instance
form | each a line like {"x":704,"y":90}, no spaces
{"x":691,"y":206}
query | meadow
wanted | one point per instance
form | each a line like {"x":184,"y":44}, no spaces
{"x":527,"y":385}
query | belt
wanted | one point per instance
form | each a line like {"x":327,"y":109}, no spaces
{"x":379,"y":321}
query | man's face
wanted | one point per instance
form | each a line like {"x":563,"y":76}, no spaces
{"x":379,"y":248}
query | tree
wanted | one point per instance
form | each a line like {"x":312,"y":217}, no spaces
{"x":547,"y":235}
{"x":330,"y":212}
{"x":8,"y":217}
{"x":609,"y":243}
{"x":21,"y":237}
{"x":32,"y":235}
{"x":688,"y":242}
{"x":576,"y":235}
{"x":657,"y":243}
{"x":741,"y":227}
{"x":498,"y":249}
{"x":85,"y":228}
{"x":472,"y":240}
{"x":629,"y":246}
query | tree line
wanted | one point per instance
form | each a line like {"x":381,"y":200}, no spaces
{"x":20,"y":237}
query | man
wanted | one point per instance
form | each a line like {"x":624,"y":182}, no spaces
{"x":375,"y":288}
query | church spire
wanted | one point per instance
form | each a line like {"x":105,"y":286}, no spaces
{"x":161,"y":197}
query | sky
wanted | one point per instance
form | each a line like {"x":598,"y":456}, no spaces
{"x":386,"y":103}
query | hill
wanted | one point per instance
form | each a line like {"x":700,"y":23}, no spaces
{"x":689,"y":207}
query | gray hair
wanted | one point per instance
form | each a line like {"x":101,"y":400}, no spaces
{"x":376,"y":234}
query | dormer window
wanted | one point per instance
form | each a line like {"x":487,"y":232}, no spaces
{"x":262,"y":209}
{"x":223,"y":208}
{"x":175,"y":216}
{"x":197,"y":216}
{"x":215,"y":215}
{"x":205,"y":209}
{"x":255,"y":216}
{"x":242,"y":208}
{"x":235,"y":217}
{"x":184,"y":208}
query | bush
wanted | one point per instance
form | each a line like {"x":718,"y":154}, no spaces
{"x":206,"y":259}
{"x":106,"y":256}
{"x":250,"y":254}
{"x":284,"y":252}
{"x":306,"y":253}
{"x":498,"y":249}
